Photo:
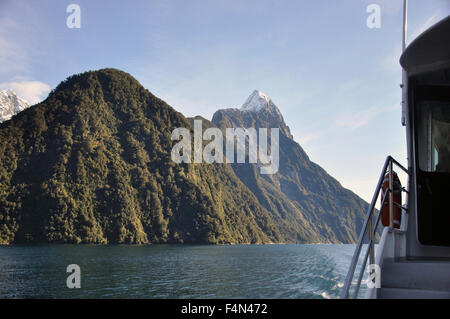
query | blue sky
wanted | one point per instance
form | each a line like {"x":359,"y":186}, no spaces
{"x":335,"y":80}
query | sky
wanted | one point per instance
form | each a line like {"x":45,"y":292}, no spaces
{"x":335,"y":80}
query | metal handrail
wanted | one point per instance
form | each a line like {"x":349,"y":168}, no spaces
{"x":369,"y":226}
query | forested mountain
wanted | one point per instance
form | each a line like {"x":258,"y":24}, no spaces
{"x":92,"y":164}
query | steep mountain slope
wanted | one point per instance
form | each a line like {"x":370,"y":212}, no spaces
{"x":302,"y":198}
{"x":10,"y":104}
{"x":91,"y":164}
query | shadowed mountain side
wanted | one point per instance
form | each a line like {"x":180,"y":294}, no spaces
{"x":302,"y":196}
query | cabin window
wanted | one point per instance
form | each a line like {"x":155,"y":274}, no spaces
{"x":433,"y":175}
{"x":434,"y":137}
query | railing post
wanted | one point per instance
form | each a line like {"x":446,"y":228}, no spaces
{"x":391,"y":195}
{"x":371,"y":248}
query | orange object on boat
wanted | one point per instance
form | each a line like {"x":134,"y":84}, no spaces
{"x":397,"y":199}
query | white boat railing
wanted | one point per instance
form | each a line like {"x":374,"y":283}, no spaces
{"x":370,"y":227}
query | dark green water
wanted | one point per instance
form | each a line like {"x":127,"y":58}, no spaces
{"x":165,"y":271}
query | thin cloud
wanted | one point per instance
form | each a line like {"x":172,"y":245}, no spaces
{"x":390,"y":62}
{"x":424,"y":26}
{"x":32,"y":91}
{"x":356,"y":119}
{"x":305,"y":139}
{"x":12,"y":57}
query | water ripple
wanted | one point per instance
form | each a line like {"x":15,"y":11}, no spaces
{"x":241,"y":271}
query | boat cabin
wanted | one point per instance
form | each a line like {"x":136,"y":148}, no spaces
{"x":426,"y":62}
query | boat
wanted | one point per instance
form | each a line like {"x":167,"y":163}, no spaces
{"x":411,"y":259}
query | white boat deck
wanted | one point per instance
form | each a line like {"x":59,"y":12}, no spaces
{"x":415,"y":279}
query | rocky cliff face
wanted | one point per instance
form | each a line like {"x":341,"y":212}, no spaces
{"x":258,"y":111}
{"x":306,"y":202}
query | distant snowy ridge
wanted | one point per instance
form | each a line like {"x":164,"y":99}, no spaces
{"x":11,"y":104}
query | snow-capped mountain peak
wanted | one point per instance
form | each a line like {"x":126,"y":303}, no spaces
{"x":11,"y":104}
{"x":257,"y":101}
{"x":258,"y":111}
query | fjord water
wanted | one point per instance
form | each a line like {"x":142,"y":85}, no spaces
{"x":175,"y":271}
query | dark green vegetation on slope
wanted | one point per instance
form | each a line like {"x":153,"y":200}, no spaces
{"x":91,"y":164}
